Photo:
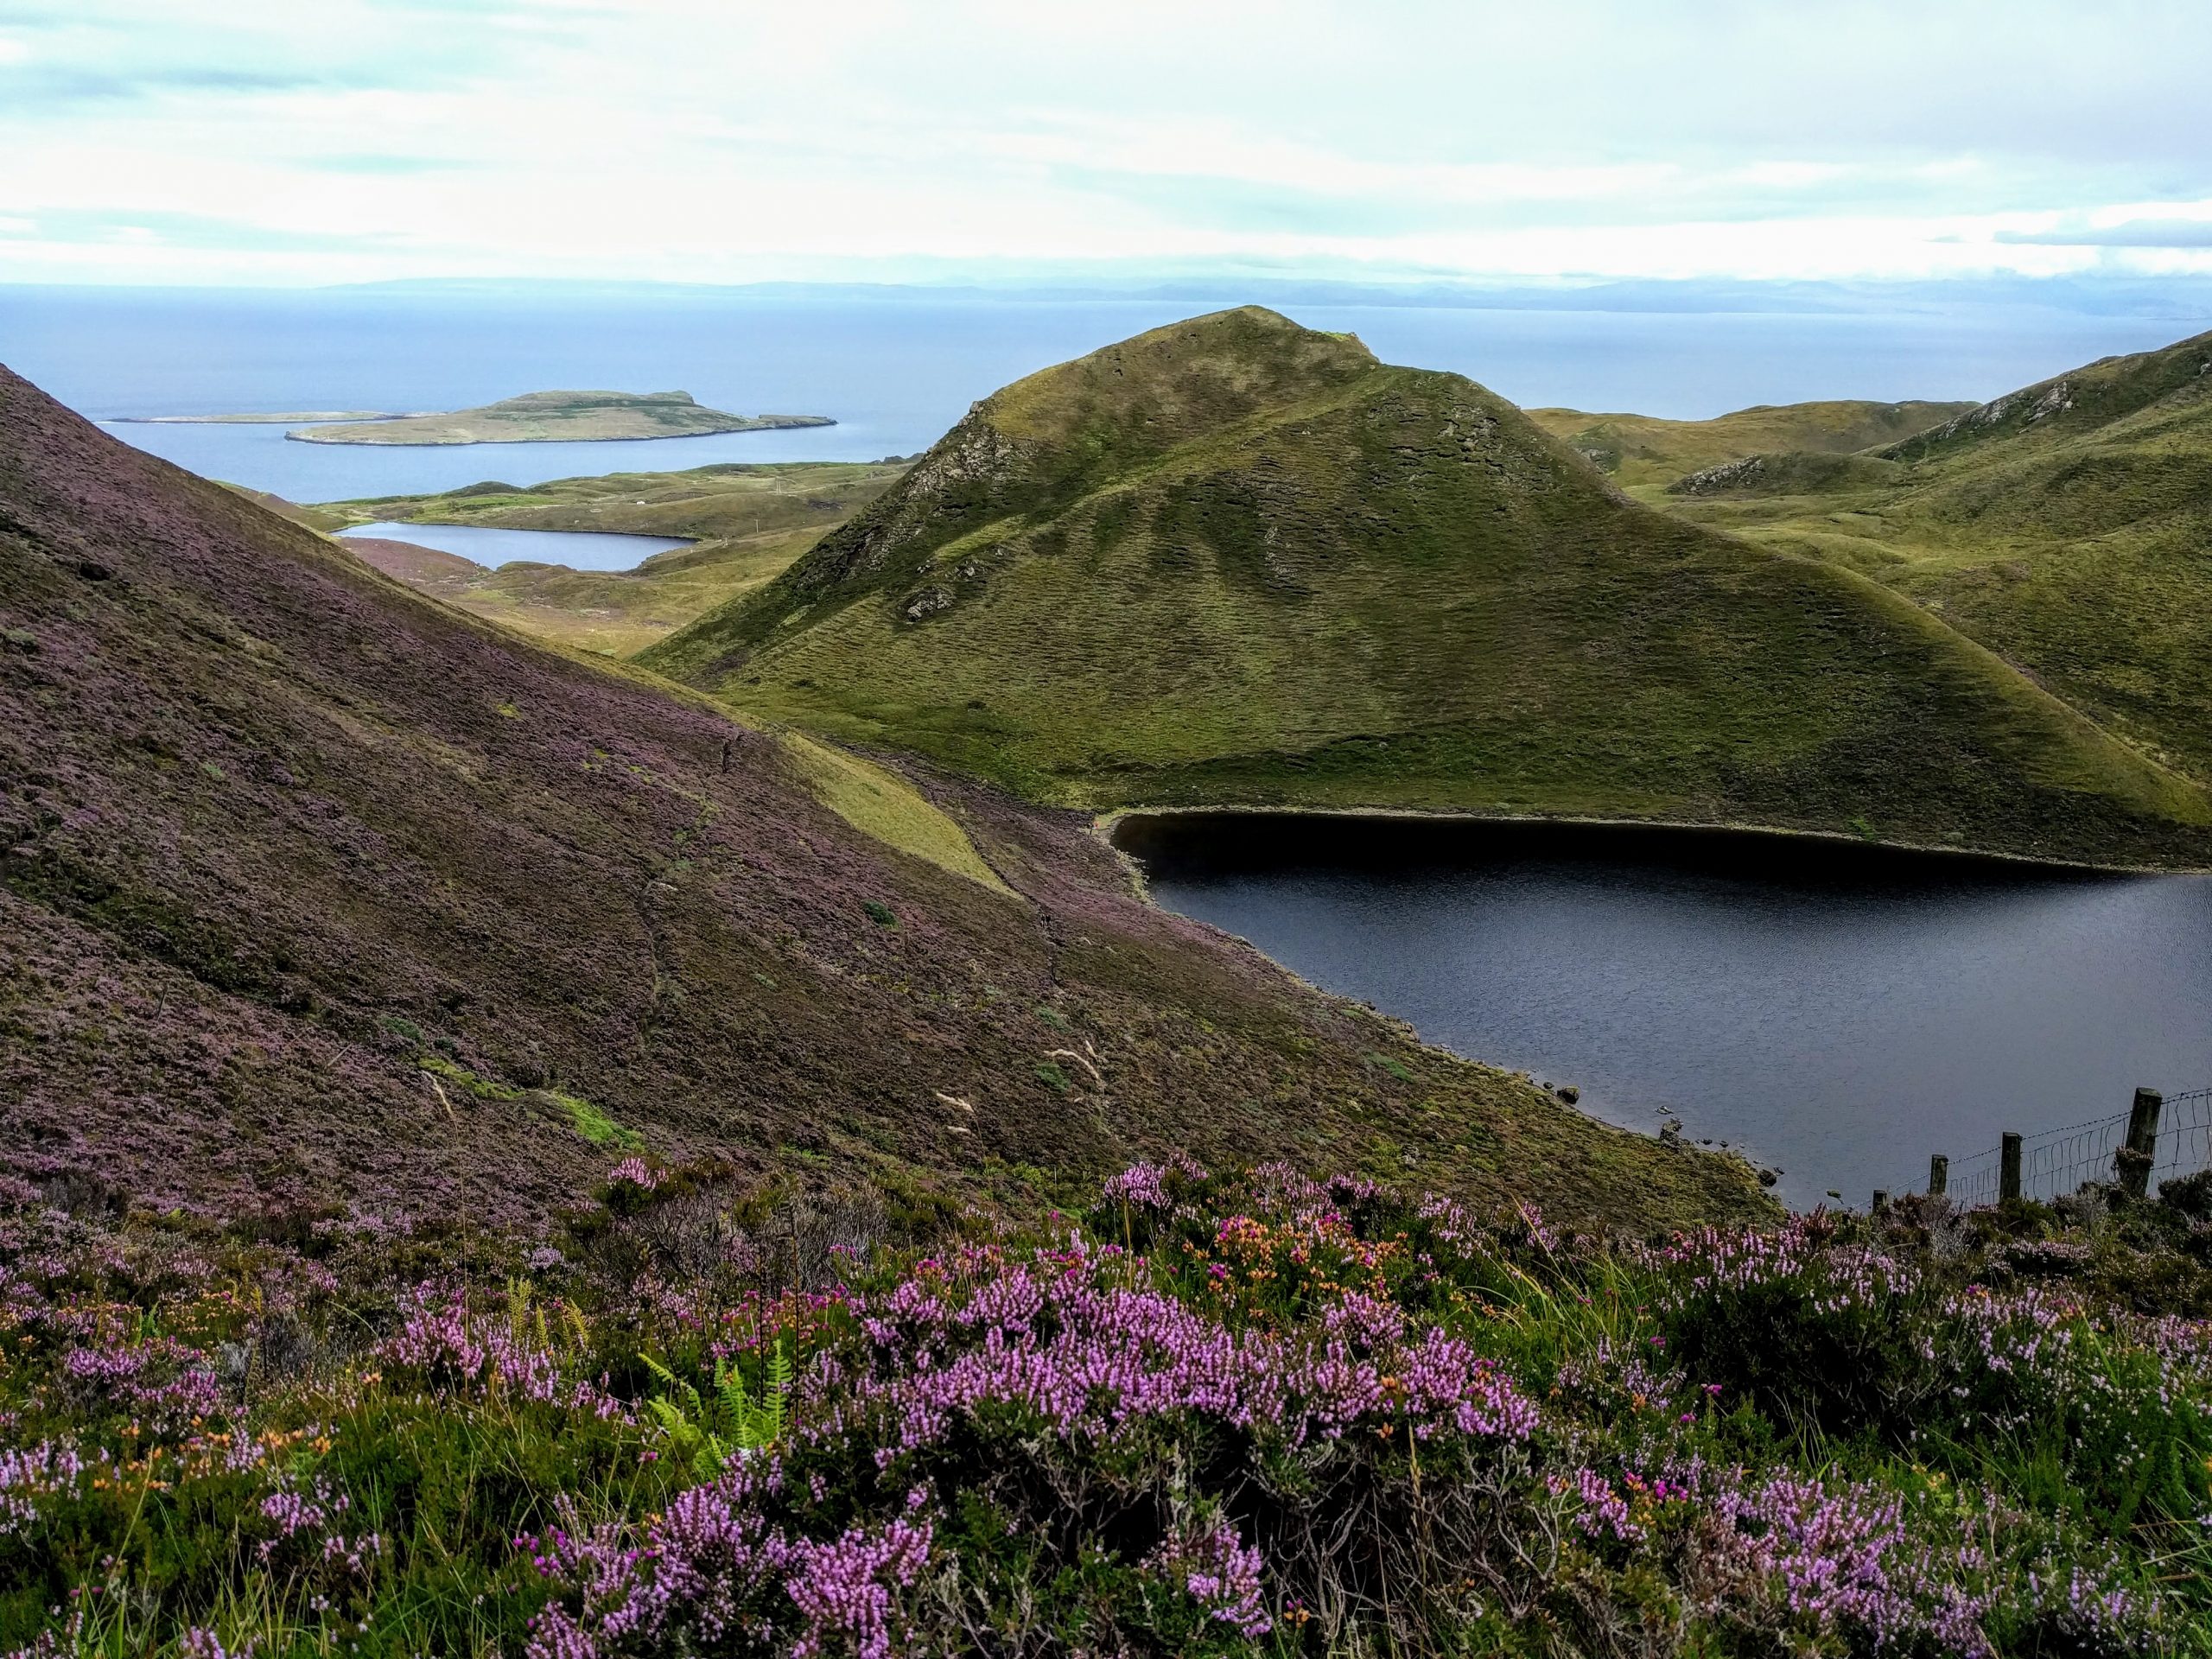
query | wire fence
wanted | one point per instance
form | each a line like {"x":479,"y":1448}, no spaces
{"x":2064,"y":1160}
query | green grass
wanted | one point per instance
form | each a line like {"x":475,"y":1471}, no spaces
{"x":1644,"y":449}
{"x":749,"y":523}
{"x":879,"y":802}
{"x":592,"y":1123}
{"x":1235,"y":562}
{"x":2068,"y":542}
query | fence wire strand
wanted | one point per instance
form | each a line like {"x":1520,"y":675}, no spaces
{"x":2062,"y":1161}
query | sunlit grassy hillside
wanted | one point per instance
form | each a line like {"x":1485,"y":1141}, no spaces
{"x":1642,"y":449}
{"x":2066,"y":526}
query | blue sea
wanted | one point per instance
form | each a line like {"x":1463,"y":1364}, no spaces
{"x":893,"y":369}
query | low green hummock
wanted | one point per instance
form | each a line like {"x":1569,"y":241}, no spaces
{"x":1641,"y":449}
{"x":558,"y":417}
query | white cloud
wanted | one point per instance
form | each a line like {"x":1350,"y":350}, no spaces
{"x":708,"y":140}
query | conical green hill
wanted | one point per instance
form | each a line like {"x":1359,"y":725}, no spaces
{"x":1235,"y":560}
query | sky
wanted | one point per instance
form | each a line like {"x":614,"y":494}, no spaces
{"x":312,"y":141}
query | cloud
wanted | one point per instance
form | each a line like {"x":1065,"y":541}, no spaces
{"x":2131,"y":233}
{"x":692,"y":140}
{"x":199,"y":232}
{"x":374,"y":162}
{"x":60,"y":86}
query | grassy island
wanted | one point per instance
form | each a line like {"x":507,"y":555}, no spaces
{"x":559,"y":417}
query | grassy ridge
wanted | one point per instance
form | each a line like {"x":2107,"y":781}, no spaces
{"x":1306,"y":577}
{"x":1642,"y":449}
{"x":2064,"y":527}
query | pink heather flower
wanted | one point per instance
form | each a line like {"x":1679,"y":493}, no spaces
{"x":847,"y":1587}
{"x":1094,"y":1361}
{"x":708,"y":1575}
{"x":1217,"y":1572}
{"x":27,"y":1473}
{"x":1603,"y":1509}
{"x":1144,"y":1186}
{"x":454,"y":1348}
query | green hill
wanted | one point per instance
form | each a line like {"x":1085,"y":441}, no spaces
{"x":1642,"y":449}
{"x":1236,"y":560}
{"x":2065,"y":526}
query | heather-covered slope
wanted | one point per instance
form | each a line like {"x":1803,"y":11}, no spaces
{"x":1234,"y":560}
{"x":2064,"y":525}
{"x":317,"y":894}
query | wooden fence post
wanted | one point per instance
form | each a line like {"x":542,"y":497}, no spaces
{"x":2008,"y":1168}
{"x":1939,"y":1175}
{"x":2133,"y":1162}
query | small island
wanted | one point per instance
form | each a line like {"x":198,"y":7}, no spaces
{"x":559,"y":417}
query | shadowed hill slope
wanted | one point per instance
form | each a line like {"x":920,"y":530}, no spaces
{"x":2064,"y":525}
{"x":1235,"y":561}
{"x":316,"y":894}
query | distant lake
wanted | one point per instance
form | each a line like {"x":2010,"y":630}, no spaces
{"x":579,"y":550}
{"x":1838,"y":1011}
{"x":894,"y":370}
